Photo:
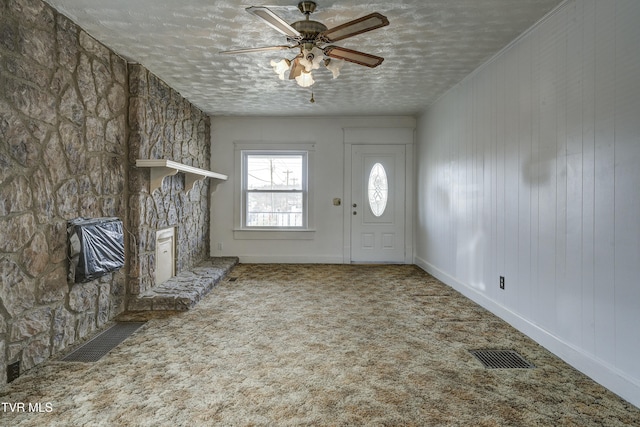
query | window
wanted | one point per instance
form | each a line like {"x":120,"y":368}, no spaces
{"x":378,"y":189}
{"x":274,"y":189}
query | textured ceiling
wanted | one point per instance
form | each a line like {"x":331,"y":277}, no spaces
{"x":429,"y":46}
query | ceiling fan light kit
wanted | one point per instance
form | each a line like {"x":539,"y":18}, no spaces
{"x":310,"y":37}
{"x":305,"y":79}
{"x":281,"y":67}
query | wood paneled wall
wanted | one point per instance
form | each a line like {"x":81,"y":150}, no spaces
{"x":530,"y":169}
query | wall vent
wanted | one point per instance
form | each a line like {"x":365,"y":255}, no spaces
{"x":501,"y":359}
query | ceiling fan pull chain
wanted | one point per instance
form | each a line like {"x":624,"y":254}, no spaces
{"x":312,"y":100}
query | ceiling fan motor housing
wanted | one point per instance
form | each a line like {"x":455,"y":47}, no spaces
{"x":309,"y":29}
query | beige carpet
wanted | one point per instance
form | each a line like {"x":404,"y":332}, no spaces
{"x":289,"y":345}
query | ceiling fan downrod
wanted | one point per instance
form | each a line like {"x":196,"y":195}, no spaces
{"x":307,"y":7}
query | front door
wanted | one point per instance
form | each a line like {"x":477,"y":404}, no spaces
{"x":378,"y":203}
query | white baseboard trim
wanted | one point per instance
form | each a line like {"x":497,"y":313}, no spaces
{"x":600,"y":371}
{"x":288,"y":259}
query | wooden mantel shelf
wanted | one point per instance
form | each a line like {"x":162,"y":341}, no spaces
{"x":162,"y":168}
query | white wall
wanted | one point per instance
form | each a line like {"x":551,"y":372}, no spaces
{"x":327,"y":133}
{"x":530,"y":169}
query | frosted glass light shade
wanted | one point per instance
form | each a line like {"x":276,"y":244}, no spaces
{"x":311,"y":59}
{"x":305,"y":79}
{"x":281,"y":67}
{"x":334,"y":65}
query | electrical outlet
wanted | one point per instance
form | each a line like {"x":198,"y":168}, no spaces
{"x":501,"y":282}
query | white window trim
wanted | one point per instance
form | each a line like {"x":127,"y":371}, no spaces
{"x":240,"y":231}
{"x":303,"y":190}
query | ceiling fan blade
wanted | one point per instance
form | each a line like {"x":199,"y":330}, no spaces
{"x":274,"y":21}
{"x":355,"y":27}
{"x":257,"y":49}
{"x":353,"y":56}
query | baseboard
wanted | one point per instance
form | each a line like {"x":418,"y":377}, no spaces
{"x":600,"y":371}
{"x":288,"y":259}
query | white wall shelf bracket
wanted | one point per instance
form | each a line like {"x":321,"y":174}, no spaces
{"x":162,"y":168}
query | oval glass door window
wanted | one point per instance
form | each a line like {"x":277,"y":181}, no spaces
{"x":378,"y":189}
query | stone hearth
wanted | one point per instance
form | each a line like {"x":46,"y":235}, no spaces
{"x":183,"y":291}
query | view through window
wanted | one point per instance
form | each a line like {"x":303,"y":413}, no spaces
{"x":275,"y":190}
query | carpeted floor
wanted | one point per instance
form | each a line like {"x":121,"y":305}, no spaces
{"x":290,"y":345}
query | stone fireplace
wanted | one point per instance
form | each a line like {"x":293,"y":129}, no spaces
{"x":163,"y":125}
{"x":74,"y":118}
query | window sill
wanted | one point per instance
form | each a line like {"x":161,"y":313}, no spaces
{"x":273,"y":234}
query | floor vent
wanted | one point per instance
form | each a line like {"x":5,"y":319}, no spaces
{"x":102,"y":344}
{"x":501,"y":359}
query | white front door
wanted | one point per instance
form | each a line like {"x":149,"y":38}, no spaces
{"x":378,"y":203}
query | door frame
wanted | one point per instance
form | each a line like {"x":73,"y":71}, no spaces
{"x":379,"y":136}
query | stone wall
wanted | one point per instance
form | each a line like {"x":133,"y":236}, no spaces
{"x":74,"y":117}
{"x":63,"y":136}
{"x":163,"y":125}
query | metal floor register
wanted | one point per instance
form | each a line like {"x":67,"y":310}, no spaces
{"x":501,"y":359}
{"x":102,"y":344}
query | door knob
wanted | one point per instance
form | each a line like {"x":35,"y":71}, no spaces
{"x":355,"y":213}
{"x":355,"y":205}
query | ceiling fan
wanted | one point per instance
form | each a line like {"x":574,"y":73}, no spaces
{"x":311,"y":37}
